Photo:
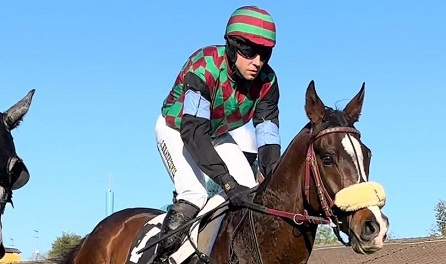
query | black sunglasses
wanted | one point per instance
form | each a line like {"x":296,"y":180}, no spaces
{"x":250,"y":51}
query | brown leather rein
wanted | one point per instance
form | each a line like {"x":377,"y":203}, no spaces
{"x":311,"y":170}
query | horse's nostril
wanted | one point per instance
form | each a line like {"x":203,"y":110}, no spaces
{"x":370,"y":230}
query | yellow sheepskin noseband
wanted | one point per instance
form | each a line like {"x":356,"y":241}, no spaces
{"x":361,"y":195}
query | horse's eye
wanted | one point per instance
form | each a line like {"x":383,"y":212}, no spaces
{"x":327,"y":159}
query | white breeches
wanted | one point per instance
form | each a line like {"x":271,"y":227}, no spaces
{"x":189,"y":180}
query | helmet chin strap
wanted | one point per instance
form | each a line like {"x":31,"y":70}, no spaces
{"x":231,"y":52}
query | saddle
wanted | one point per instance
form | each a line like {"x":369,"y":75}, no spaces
{"x":202,"y":235}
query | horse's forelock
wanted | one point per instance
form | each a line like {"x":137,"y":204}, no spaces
{"x":335,"y":118}
{"x":332,"y":118}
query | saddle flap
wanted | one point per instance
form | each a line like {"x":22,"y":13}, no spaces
{"x":206,"y":237}
{"x":205,"y":233}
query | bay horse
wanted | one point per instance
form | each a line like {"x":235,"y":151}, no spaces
{"x":319,"y":176}
{"x":13,"y":172}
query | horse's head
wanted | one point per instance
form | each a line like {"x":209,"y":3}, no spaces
{"x":13,"y":172}
{"x":338,"y":163}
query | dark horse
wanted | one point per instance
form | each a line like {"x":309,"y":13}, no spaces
{"x":13,"y":172}
{"x":324,"y":159}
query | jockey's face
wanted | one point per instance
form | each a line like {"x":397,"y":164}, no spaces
{"x":249,"y":68}
{"x":250,"y":58}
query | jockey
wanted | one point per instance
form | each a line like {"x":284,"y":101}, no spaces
{"x":219,"y":89}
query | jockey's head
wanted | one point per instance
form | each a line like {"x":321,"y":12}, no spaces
{"x":250,"y":33}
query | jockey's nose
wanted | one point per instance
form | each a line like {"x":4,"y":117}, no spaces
{"x":257,"y":61}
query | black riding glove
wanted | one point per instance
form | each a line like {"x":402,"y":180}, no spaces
{"x":237,"y":194}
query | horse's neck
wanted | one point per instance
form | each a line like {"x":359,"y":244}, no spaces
{"x":278,"y":240}
{"x":284,"y":189}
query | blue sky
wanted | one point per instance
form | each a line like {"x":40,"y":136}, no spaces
{"x":101,"y":70}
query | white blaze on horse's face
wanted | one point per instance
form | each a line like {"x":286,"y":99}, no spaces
{"x":354,"y":149}
{"x":383,"y":225}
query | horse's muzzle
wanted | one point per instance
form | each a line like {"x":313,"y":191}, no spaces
{"x":368,"y":230}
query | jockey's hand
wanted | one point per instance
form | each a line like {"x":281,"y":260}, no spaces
{"x":238,"y":195}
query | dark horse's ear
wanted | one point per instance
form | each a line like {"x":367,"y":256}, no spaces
{"x":354,"y":107}
{"x":13,"y":116}
{"x":314,"y":107}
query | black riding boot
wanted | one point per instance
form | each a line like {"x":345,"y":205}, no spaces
{"x":180,"y":213}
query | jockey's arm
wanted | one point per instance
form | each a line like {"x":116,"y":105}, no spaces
{"x":266,"y":123}
{"x":195,"y":130}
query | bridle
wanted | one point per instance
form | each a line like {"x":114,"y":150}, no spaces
{"x":9,"y":177}
{"x":312,"y":170}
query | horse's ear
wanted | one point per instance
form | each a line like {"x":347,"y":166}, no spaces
{"x":13,"y":116}
{"x":354,"y":107}
{"x":314,"y":107}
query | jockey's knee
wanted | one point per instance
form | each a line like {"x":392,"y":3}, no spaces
{"x":197,"y":198}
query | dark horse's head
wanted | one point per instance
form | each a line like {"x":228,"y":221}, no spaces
{"x":344,"y":193}
{"x":13,"y":172}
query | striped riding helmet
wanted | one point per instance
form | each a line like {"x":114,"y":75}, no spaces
{"x":253,"y":24}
